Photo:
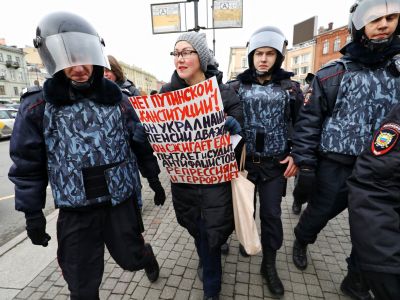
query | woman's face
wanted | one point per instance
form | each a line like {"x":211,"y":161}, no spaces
{"x":109,"y":75}
{"x":188,"y":68}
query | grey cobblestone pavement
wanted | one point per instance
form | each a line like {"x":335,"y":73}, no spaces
{"x":178,"y":260}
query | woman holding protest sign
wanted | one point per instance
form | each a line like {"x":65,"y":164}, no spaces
{"x":205,"y":210}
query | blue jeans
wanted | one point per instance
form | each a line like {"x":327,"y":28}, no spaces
{"x":211,"y":260}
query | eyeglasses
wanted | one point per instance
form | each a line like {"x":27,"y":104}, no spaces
{"x":183,"y":53}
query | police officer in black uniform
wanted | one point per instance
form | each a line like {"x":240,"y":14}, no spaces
{"x":347,"y":102}
{"x":265,"y":91}
{"x":374,"y":209}
{"x":81,"y":134}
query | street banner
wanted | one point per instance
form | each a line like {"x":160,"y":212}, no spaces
{"x":166,"y":18}
{"x":227,"y":13}
{"x":186,"y":131}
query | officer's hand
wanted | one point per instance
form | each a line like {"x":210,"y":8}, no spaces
{"x":305,"y":184}
{"x":36,"y":228}
{"x":232,"y":125}
{"x":139,"y":135}
{"x":155,"y":185}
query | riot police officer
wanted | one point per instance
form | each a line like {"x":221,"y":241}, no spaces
{"x":264,"y":90}
{"x":347,"y":102}
{"x":81,"y":134}
{"x":374,"y":209}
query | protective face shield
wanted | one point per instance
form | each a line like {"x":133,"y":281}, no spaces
{"x":365,"y":11}
{"x":65,"y":40}
{"x":267,"y":36}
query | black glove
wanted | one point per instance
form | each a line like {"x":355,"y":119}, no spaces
{"x":159,"y":197}
{"x":306,"y":180}
{"x":36,"y":228}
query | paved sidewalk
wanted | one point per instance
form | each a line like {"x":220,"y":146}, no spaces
{"x":31,"y":272}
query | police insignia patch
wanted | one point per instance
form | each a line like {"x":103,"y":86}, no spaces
{"x":385,"y":139}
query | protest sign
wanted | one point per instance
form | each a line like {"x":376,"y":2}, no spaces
{"x":186,"y":131}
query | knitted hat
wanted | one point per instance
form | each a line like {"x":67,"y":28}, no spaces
{"x":199,"y":43}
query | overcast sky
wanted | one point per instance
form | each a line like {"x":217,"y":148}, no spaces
{"x":126,"y":28}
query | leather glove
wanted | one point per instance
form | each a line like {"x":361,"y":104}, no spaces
{"x":394,"y":66}
{"x":36,"y":228}
{"x":139,"y":135}
{"x":155,"y":185}
{"x":305,"y":185}
{"x":232,"y":125}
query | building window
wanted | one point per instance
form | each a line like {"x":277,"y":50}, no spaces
{"x":17,"y":59}
{"x":1,"y":57}
{"x":20,"y":76}
{"x":244,"y":62}
{"x":2,"y":90}
{"x":12,"y":75}
{"x":296,"y":71}
{"x":304,"y":70}
{"x":9,"y":58}
{"x":325,"y":48}
{"x":305,"y":58}
{"x":336,"y":45}
{"x":295,"y":60}
{"x":16,"y":93}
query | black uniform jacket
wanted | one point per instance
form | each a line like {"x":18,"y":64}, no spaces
{"x":213,"y":203}
{"x":28,"y":150}
{"x":374,"y":200}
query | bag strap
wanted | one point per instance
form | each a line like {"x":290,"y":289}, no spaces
{"x":242,"y":159}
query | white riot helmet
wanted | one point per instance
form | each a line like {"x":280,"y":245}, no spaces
{"x":363,"y":12}
{"x":267,"y":36}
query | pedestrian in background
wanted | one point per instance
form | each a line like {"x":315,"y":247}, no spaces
{"x":204,"y":210}
{"x":115,"y":74}
{"x":374,"y":209}
{"x":265,"y":93}
{"x":347,"y":102}
{"x":81,"y":134}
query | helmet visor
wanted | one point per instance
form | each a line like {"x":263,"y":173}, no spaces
{"x":370,"y":10}
{"x":68,"y":49}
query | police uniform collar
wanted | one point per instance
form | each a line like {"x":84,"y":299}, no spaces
{"x":58,"y":91}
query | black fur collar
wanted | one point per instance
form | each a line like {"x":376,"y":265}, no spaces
{"x":58,"y":91}
{"x":249,"y":76}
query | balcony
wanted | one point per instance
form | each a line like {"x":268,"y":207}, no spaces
{"x":13,"y":64}
{"x":2,"y":77}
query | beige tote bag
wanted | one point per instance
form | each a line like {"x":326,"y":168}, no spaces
{"x":243,"y":209}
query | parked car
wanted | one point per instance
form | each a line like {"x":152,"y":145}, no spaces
{"x":7,"y":119}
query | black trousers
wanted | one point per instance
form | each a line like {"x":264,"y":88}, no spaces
{"x":327,"y":201}
{"x":384,"y":286}
{"x":81,"y":238}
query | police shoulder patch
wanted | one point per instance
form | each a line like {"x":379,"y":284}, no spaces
{"x":385,"y":139}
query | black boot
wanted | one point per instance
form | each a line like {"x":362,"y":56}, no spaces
{"x":152,"y":269}
{"x":268,"y":271}
{"x":299,"y":255}
{"x":296,"y":207}
{"x":211,"y":298}
{"x":355,"y":287}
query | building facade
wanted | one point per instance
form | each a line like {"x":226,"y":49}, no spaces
{"x":237,"y":62}
{"x":328,"y":44}
{"x":300,"y":60}
{"x":144,"y":81}
{"x":13,"y":72}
